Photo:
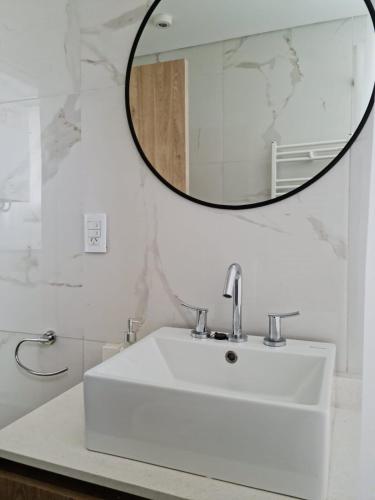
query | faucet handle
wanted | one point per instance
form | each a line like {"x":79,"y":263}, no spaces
{"x":274,"y":338}
{"x":194,"y":308}
{"x":200,"y":331}
{"x":283,"y":315}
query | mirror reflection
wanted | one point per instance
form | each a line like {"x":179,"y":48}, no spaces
{"x":235,"y":103}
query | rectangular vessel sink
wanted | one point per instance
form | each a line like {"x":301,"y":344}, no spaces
{"x":262,"y":421}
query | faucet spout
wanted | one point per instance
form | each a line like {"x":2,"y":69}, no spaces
{"x":233,"y":290}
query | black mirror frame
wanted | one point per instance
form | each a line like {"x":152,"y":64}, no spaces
{"x":217,"y":205}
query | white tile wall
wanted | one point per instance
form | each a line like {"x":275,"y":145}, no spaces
{"x":161,"y":247}
{"x":294,"y":253}
{"x":39,"y":52}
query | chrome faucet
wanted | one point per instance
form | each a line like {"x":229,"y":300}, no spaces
{"x":233,"y":290}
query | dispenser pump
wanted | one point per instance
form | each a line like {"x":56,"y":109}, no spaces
{"x":131,"y":335}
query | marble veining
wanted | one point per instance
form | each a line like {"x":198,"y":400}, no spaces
{"x":28,"y":283}
{"x":252,"y":65}
{"x":260,"y":224}
{"x":100,"y":59}
{"x":120,"y":22}
{"x":28,"y":265}
{"x":15,"y":146}
{"x":142,"y":289}
{"x":60,"y":135}
{"x":296,"y":77}
{"x":296,"y":74}
{"x":233,"y":50}
{"x":60,"y":284}
{"x":153,"y":266}
{"x":97,"y":56}
{"x":338,"y":246}
{"x":174,"y":300}
{"x":127,"y":18}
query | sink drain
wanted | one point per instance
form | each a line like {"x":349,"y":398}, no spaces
{"x":231,"y":357}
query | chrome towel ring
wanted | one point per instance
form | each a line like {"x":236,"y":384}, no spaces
{"x":47,"y":338}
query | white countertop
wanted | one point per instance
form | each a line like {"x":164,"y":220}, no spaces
{"x":52,"y":438}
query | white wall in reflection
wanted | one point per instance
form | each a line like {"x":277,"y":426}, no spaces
{"x":304,"y":84}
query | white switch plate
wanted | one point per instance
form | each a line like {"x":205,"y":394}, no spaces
{"x":95,"y":233}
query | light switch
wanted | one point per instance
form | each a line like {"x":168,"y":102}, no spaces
{"x":95,"y":233}
{"x":93,"y":224}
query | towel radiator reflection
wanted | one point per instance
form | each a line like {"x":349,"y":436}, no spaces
{"x":303,"y":154}
{"x":47,"y":338}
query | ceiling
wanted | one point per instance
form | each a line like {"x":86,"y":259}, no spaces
{"x":198,"y":22}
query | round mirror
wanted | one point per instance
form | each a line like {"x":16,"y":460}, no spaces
{"x":241,"y":103}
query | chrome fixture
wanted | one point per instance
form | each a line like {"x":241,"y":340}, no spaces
{"x":200,"y":331}
{"x":47,"y":338}
{"x":274,"y":338}
{"x":231,"y":357}
{"x":131,"y":335}
{"x":5,"y":205}
{"x":233,"y":289}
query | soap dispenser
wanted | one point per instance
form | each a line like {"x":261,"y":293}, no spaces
{"x":130,"y":338}
{"x":131,"y":335}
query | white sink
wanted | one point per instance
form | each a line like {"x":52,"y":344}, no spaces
{"x":175,"y":401}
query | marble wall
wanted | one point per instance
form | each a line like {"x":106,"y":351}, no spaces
{"x":41,"y":269}
{"x":67,"y":59}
